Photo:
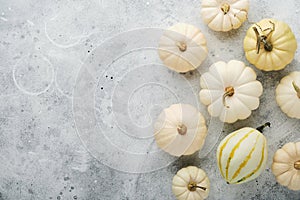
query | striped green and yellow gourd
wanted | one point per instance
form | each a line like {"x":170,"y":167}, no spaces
{"x":242,"y":155}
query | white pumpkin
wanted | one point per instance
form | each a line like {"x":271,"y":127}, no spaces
{"x":286,"y":165}
{"x":242,"y":155}
{"x":180,"y":130}
{"x":288,"y":95}
{"x":224,"y":15}
{"x":230,"y":90}
{"x":190,"y":183}
{"x":182,"y":48}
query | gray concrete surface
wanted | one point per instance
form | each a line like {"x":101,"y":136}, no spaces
{"x":96,"y":142}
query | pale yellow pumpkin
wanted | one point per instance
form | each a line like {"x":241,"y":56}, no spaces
{"x":224,"y":15}
{"x":242,"y":155}
{"x":191,"y":183}
{"x":180,"y":130}
{"x":270,"y":45}
{"x":182,"y":47}
{"x":288,"y":94}
{"x":286,"y":165}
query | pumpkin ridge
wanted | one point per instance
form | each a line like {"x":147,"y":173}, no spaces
{"x":278,"y":161}
{"x":292,"y":106}
{"x":279,"y":178}
{"x":283,"y":171}
{"x":215,"y":102}
{"x":244,"y":163}
{"x":166,"y":133}
{"x":242,"y":74}
{"x":292,"y":185}
{"x":254,"y":95}
{"x":200,"y":181}
{"x":172,"y":35}
{"x":199,"y":193}
{"x":213,"y":16}
{"x":276,"y":50}
{"x":245,"y":106}
{"x":190,"y":174}
{"x":192,"y":55}
{"x":240,"y":67}
{"x":257,"y":168}
{"x":216,"y":79}
{"x":275,"y":54}
{"x":290,"y":182}
{"x":189,"y":196}
{"x":230,"y":19}
{"x":178,"y":175}
{"x":181,"y":193}
{"x":280,"y":39}
{"x":161,"y":139}
{"x":277,"y":44}
{"x":164,"y":136}
{"x":177,"y":60}
{"x":210,"y":4}
{"x":242,"y":85}
{"x":290,"y":144}
{"x":298,"y":150}
{"x":168,"y":56}
{"x":221,"y":151}
{"x":231,"y":155}
{"x":169,"y":122}
{"x":250,"y":107}
{"x":195,"y":34}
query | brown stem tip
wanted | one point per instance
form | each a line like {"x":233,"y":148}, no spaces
{"x":225,"y":8}
{"x":181,"y":129}
{"x":297,"y":165}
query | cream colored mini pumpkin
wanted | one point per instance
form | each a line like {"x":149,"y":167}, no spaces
{"x":224,"y":15}
{"x":270,"y":45}
{"x":288,"y":95}
{"x":230,"y":90}
{"x":242,"y":155}
{"x":180,"y":130}
{"x":182,"y":48}
{"x":190,"y":183}
{"x":286,"y":165}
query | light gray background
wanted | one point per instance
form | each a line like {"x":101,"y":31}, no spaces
{"x":43,"y":44}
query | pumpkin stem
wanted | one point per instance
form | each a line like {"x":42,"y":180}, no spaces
{"x":297,"y":89}
{"x":261,"y":128}
{"x":192,"y":186}
{"x":225,"y":8}
{"x":182,"y":46}
{"x":182,"y":129}
{"x":297,"y":165}
{"x":229,"y":91}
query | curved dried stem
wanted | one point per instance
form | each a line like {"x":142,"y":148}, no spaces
{"x":192,"y":186}
{"x":261,"y":128}
{"x":297,"y":89}
{"x":229,"y":91}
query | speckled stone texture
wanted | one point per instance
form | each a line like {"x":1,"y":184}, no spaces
{"x":57,"y":142}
